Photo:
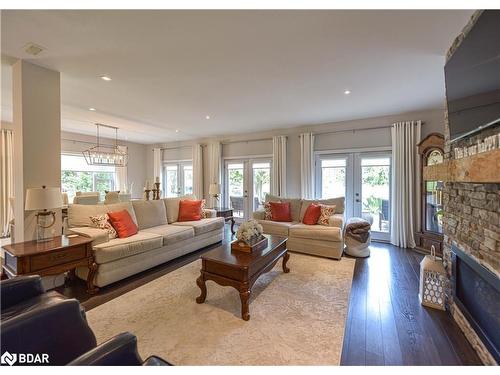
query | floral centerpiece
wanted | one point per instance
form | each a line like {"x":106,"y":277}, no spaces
{"x":249,"y":237}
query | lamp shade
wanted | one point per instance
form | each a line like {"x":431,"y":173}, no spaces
{"x":43,"y":198}
{"x":214,"y":189}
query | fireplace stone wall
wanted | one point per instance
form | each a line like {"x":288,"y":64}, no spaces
{"x":471,"y":219}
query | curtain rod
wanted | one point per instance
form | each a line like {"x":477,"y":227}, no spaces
{"x":222,"y":143}
{"x":355,"y":130}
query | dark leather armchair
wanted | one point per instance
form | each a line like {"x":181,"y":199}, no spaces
{"x":37,"y":322}
{"x":33,"y":321}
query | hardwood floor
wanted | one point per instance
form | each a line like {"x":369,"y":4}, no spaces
{"x":386,"y":325}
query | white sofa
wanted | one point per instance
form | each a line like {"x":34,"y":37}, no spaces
{"x":321,"y":240}
{"x":160,"y":238}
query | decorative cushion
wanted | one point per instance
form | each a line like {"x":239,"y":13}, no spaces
{"x":312,"y":214}
{"x":149,"y":213}
{"x":280,"y":211}
{"x":267,"y":211}
{"x":101,"y":222}
{"x":123,"y":223}
{"x":295,"y":204}
{"x":172,"y":206}
{"x":326,"y":212}
{"x":189,"y":210}
{"x":337,"y":202}
{"x":204,"y":214}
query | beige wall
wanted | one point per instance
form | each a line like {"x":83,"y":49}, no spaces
{"x":260,"y":143}
{"x":137,"y":160}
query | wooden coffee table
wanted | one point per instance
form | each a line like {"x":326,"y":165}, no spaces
{"x":239,"y":269}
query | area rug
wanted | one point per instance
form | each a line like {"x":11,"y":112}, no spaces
{"x":296,"y":318}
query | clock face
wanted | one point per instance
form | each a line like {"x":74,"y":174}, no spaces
{"x":435,"y":157}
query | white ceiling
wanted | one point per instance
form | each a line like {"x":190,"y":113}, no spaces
{"x":248,"y":70}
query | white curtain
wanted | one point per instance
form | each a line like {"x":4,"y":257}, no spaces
{"x":278,"y":186}
{"x":214,"y":167}
{"x":307,"y":166}
{"x":198,"y":171}
{"x":122,"y":175}
{"x":157,"y":168}
{"x":7,"y":180}
{"x":405,"y":136}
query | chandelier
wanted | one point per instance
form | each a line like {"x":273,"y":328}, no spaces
{"x":105,"y":154}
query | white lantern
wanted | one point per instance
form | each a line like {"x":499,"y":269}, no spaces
{"x":432,"y":281}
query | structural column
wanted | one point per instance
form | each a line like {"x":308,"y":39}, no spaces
{"x":37,"y":139}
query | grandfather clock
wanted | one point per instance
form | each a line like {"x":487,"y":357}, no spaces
{"x":431,"y":151}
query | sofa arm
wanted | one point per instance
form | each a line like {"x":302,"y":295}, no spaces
{"x":259,"y":215}
{"x":210,"y":213}
{"x":336,"y":220}
{"x":97,"y":235}
{"x":18,"y":289}
{"x":121,"y":350}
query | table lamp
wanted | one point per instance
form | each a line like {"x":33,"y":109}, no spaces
{"x":214,"y":190}
{"x":43,"y":199}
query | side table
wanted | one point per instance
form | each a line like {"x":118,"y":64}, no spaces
{"x":61,"y":254}
{"x":227,"y":214}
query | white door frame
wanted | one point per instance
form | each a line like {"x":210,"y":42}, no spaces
{"x":180,"y":164}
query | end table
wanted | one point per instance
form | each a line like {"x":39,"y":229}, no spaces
{"x":61,"y":254}
{"x":227,"y":214}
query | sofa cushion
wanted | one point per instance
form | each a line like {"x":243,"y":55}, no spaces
{"x":172,"y":206}
{"x":150,"y":213}
{"x":79,"y":214}
{"x":337,"y":202}
{"x":315,"y":232}
{"x":203,"y":225}
{"x":279,"y":228}
{"x":123,"y":223}
{"x":124,"y":247}
{"x":312,"y":214}
{"x":295,"y":204}
{"x":172,"y":233}
{"x":280,"y":211}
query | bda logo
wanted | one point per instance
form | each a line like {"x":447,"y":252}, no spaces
{"x":8,"y":358}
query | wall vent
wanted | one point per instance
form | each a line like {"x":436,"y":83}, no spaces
{"x":33,"y":49}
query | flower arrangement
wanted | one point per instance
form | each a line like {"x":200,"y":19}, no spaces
{"x":249,"y":231}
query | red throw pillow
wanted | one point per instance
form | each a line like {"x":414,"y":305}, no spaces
{"x":123,"y":223}
{"x":189,"y":210}
{"x":313,"y":212}
{"x":280,"y":211}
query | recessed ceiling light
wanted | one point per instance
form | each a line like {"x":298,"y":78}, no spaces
{"x":347,"y":92}
{"x":177,"y":130}
{"x":91,"y":109}
{"x":207,"y":117}
{"x":33,"y":49}
{"x":105,"y":78}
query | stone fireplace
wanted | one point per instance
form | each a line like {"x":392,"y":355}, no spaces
{"x":471,"y":227}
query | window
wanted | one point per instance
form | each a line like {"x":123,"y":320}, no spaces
{"x":77,"y":175}
{"x":178,"y":179}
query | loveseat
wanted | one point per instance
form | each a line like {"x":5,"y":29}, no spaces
{"x":160,"y":237}
{"x":321,"y":240}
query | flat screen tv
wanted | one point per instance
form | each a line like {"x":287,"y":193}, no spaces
{"x":472,"y":78}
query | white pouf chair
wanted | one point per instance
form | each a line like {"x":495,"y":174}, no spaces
{"x":357,"y":249}
{"x":357,"y":237}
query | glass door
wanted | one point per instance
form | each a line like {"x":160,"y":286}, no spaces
{"x":178,"y":179}
{"x":247,"y":181}
{"x":372,"y":187}
{"x":364,"y":180}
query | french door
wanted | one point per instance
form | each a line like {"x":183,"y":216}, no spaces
{"x":246,"y":182}
{"x":364,"y":179}
{"x":178,"y":179}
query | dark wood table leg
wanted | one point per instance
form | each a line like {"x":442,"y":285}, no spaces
{"x":200,"y":281}
{"x":91,"y":288}
{"x":286,"y":256}
{"x":232,"y":226}
{"x":245,"y":297}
